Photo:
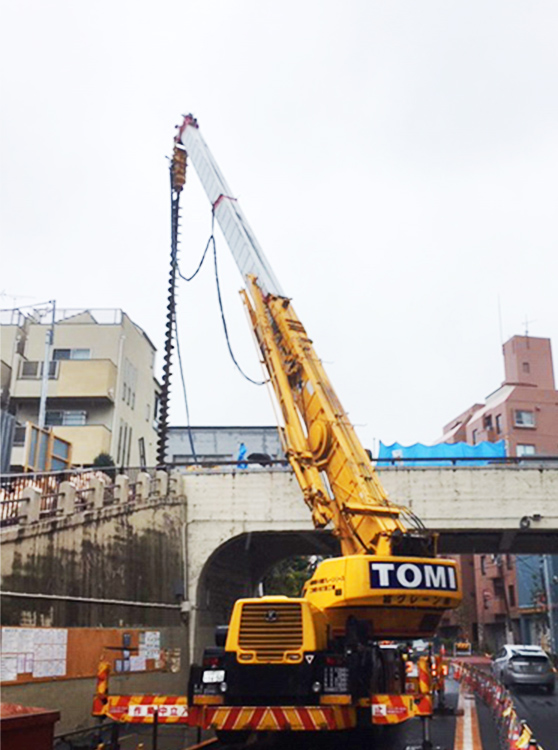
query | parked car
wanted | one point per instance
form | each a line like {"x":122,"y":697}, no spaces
{"x":523,"y":665}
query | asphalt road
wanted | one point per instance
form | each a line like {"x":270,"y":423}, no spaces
{"x":540,"y":711}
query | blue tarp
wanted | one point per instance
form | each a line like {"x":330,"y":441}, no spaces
{"x":448,"y":453}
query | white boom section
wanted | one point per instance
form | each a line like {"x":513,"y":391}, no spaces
{"x":244,"y":246}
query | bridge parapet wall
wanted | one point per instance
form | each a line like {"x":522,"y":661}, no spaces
{"x":155,"y":537}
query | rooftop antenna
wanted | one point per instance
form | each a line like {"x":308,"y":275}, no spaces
{"x":527,"y":321}
{"x":500,"y":324}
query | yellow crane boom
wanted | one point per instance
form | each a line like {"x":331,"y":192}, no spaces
{"x":338,"y":481}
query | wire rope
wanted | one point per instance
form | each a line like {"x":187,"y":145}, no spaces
{"x":180,"y":367}
{"x":211,"y":242}
{"x":239,"y":368}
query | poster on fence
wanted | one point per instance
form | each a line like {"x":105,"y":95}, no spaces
{"x":40,"y":652}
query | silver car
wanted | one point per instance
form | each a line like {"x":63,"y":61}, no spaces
{"x":523,"y":665}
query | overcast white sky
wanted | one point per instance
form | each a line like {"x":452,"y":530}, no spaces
{"x":397,"y":161}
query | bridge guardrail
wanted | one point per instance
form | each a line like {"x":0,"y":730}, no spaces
{"x":531,"y":462}
{"x":154,"y":482}
{"x":33,"y":497}
{"x":513,"y":733}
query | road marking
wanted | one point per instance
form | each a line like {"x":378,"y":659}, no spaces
{"x":467,"y":734}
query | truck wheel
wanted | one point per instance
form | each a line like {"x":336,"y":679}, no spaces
{"x":229,"y":737}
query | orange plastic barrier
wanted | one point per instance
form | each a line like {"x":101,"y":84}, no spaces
{"x":515,"y":734}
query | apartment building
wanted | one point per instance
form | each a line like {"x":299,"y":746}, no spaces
{"x":523,"y":411}
{"x":102,"y":395}
{"x":497,"y":600}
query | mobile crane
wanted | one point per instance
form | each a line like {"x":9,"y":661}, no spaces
{"x":320,"y":661}
{"x":316,"y":661}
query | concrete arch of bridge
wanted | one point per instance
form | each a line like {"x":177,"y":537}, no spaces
{"x":235,"y":568}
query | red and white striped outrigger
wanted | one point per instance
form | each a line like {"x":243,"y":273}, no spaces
{"x":174,"y":709}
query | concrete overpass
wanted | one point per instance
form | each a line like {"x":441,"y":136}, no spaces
{"x":241,"y":523}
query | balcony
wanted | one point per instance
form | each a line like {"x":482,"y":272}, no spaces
{"x":72,"y":378}
{"x":87,"y":441}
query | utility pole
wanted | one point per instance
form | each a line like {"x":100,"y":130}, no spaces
{"x":548,"y":581}
{"x":49,"y":338}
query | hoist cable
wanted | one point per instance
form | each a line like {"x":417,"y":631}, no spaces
{"x":189,"y":278}
{"x":180,"y":367}
{"x":239,"y":368}
{"x":211,"y":241}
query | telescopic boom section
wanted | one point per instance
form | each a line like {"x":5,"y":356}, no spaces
{"x":337,"y":478}
{"x":242,"y":241}
{"x":338,"y":481}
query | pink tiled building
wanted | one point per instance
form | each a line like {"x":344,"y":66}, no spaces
{"x":523,"y":411}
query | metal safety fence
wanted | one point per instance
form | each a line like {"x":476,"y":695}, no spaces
{"x":513,"y":732}
{"x":55,"y":494}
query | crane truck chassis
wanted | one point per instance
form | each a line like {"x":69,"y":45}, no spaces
{"x":336,"y":658}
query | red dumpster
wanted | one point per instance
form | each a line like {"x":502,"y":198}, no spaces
{"x":26,"y":727}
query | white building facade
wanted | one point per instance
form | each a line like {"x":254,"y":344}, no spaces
{"x":102,"y":395}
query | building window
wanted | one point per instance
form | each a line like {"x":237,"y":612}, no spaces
{"x":19,"y":435}
{"x":129,"y":383}
{"x":483,"y":564}
{"x":124,"y":442}
{"x":129,"y":446}
{"x":499,"y":424}
{"x":474,"y":437}
{"x":34,"y":370}
{"x":55,"y":418}
{"x":524,"y":418}
{"x":142,"y":457}
{"x":59,"y":354}
{"x":81,"y":354}
{"x":156,"y":411}
{"x":525,"y":450}
{"x":487,"y":422}
{"x":29,"y":370}
{"x":119,"y":451}
{"x":526,"y":367}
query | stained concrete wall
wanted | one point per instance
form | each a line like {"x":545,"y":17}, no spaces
{"x":132,"y":553}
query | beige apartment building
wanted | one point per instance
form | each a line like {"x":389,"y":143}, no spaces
{"x":102,"y":393}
